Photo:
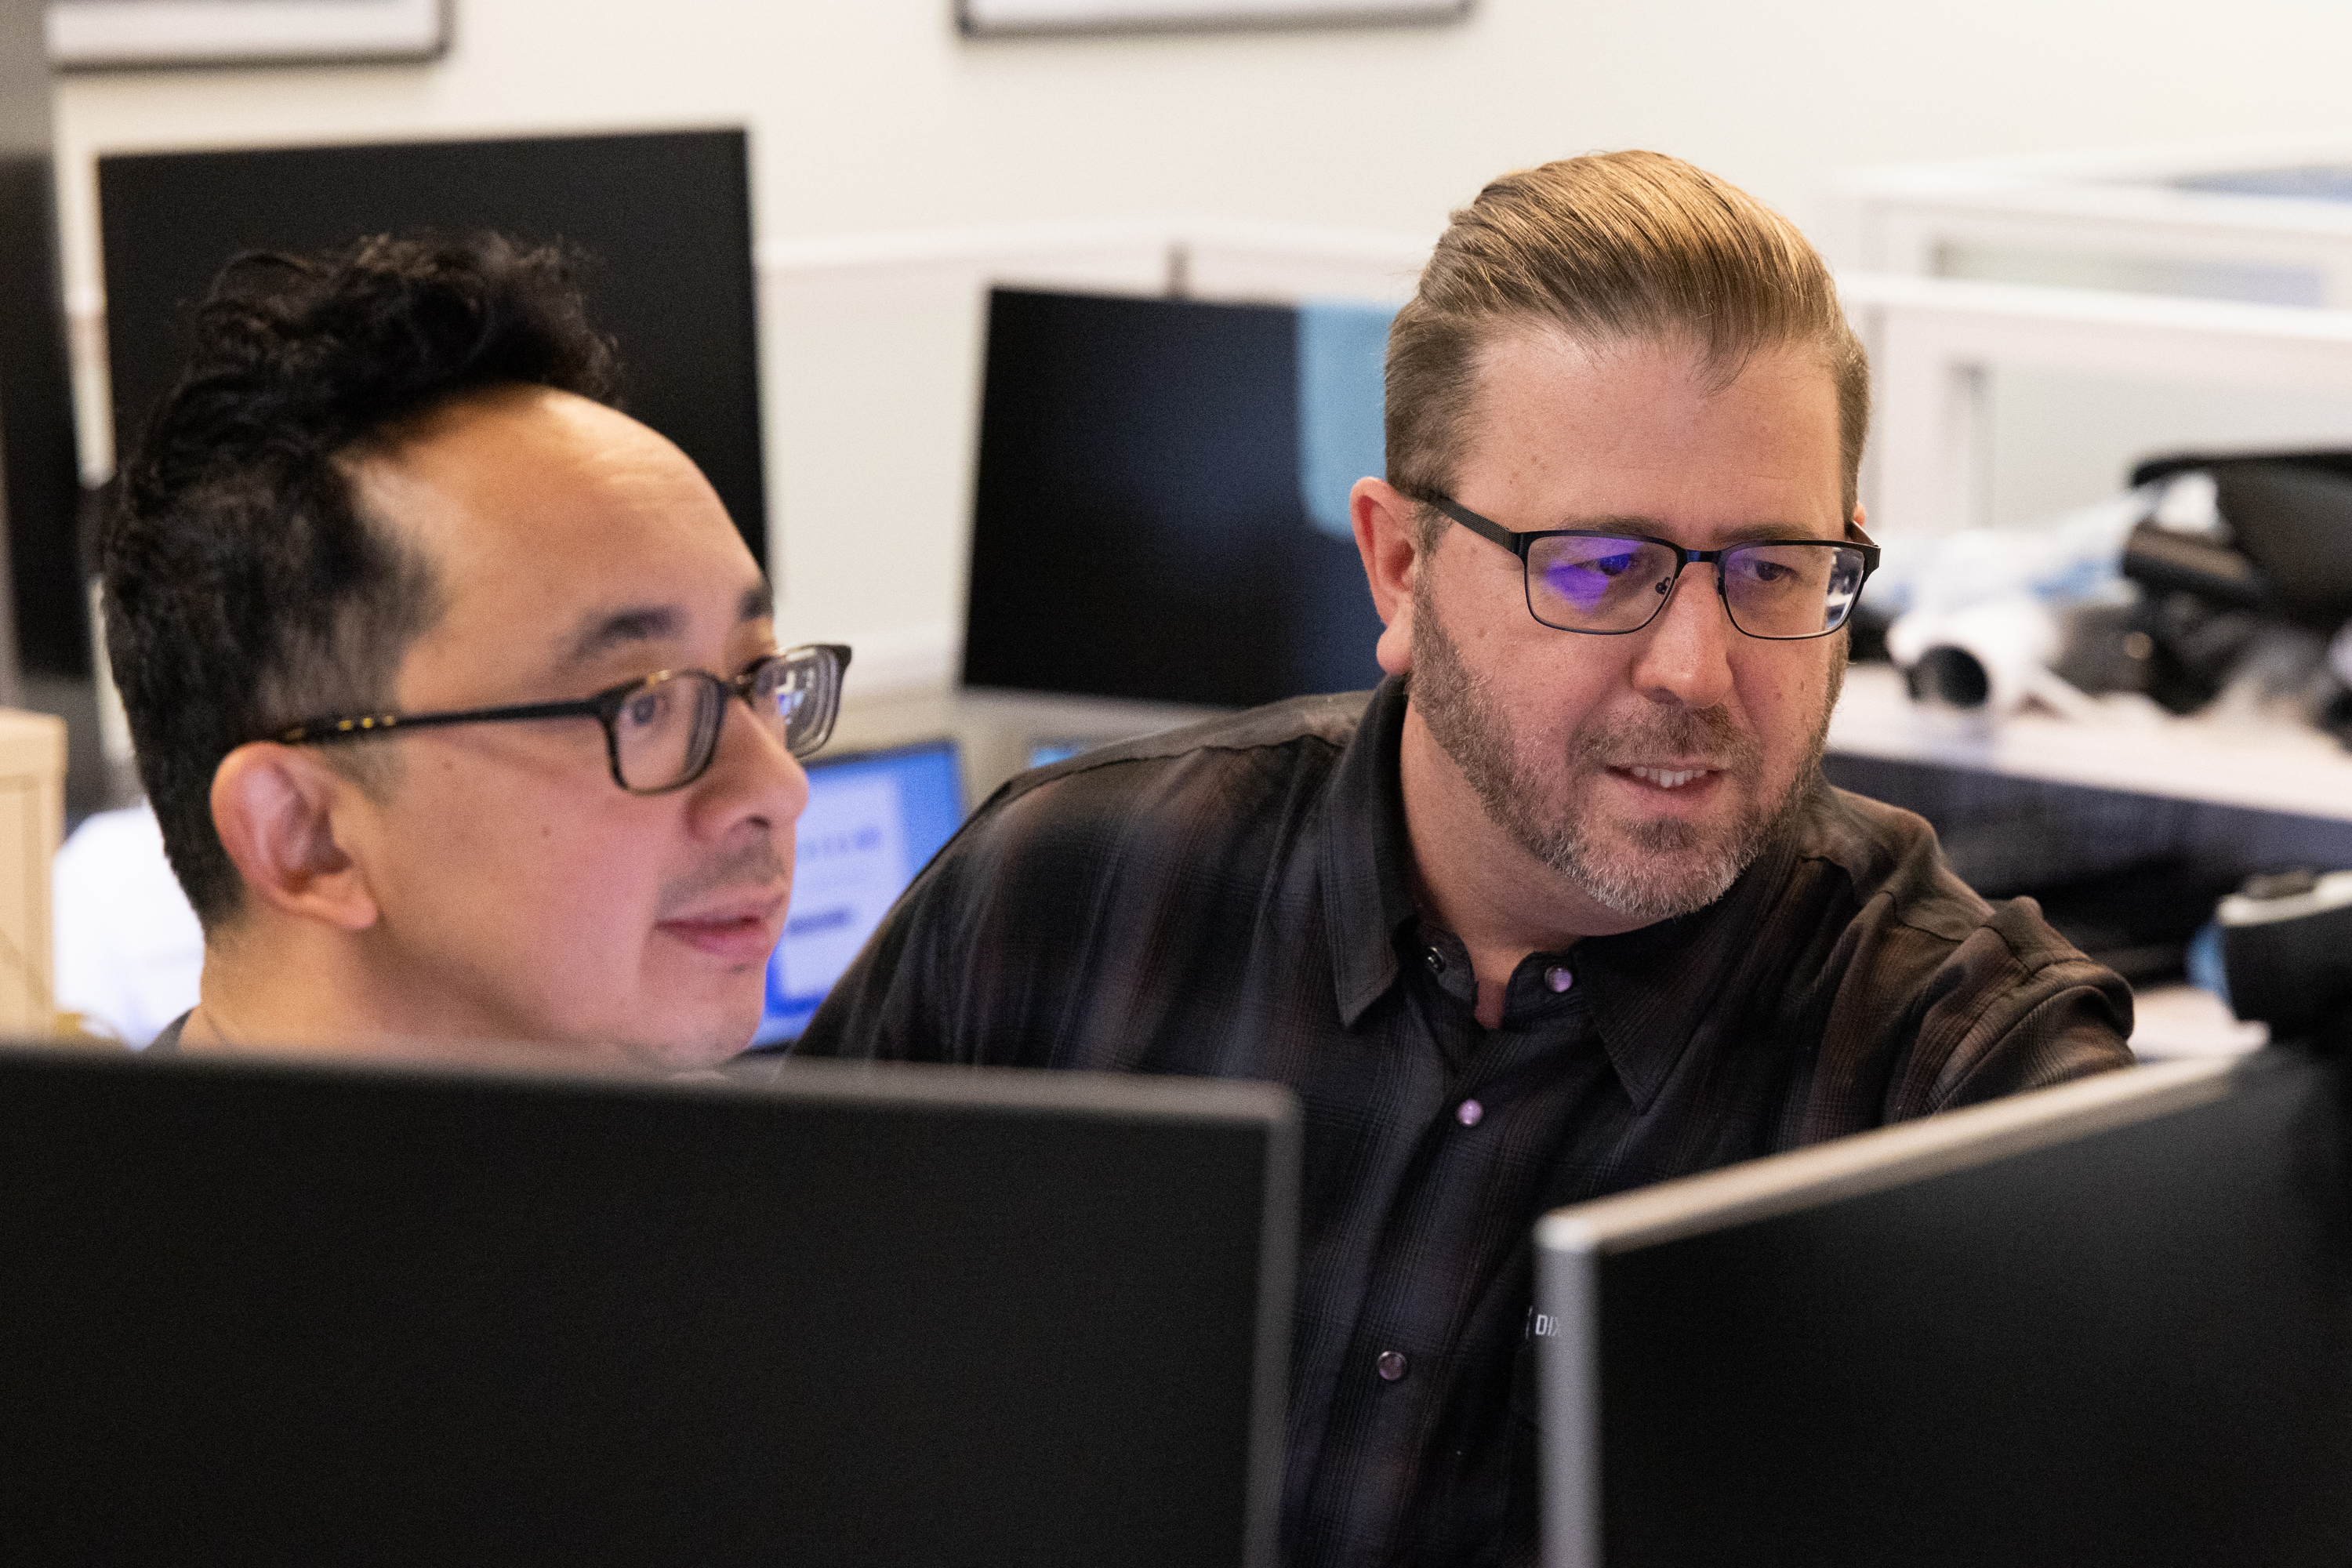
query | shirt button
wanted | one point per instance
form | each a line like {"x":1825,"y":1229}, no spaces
{"x":1469,"y":1113}
{"x":1559,"y":977}
{"x":1435,"y":960}
{"x":1393,"y":1366}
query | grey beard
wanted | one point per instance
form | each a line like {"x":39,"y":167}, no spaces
{"x":1660,"y":869}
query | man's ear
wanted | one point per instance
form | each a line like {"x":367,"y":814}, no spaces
{"x":276,"y":809}
{"x":1388,"y":536}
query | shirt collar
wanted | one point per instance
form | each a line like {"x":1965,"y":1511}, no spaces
{"x":1649,"y":989}
{"x":1367,"y":899}
{"x":1653,"y":988}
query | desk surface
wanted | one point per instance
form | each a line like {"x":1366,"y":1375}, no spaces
{"x":2264,"y":767}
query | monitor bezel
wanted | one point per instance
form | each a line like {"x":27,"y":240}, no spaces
{"x":1571,"y":1242}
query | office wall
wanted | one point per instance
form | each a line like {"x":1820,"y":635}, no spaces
{"x":874,"y":115}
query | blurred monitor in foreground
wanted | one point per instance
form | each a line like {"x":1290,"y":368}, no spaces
{"x":664,"y":219}
{"x":2110,"y":1322}
{"x":874,"y":819}
{"x":1162,"y":510}
{"x":281,"y":1312}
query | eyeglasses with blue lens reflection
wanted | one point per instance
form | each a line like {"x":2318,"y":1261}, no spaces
{"x":1605,"y":584}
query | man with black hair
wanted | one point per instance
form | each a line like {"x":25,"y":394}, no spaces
{"x":431,"y":658}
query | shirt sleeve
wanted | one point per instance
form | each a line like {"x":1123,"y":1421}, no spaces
{"x":2015,"y":1007}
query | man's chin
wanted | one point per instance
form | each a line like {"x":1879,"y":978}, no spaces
{"x":1654,"y":869}
{"x":715,"y":1025}
{"x":1657,"y":893}
{"x":684,"y":1051}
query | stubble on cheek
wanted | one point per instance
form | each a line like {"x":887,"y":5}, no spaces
{"x":1549,"y":796}
{"x":754,"y":863}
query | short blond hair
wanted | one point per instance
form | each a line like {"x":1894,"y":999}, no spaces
{"x":1611,"y":249}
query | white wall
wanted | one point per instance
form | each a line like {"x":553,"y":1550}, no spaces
{"x":874,"y":115}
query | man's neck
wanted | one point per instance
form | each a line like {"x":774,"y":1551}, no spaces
{"x":1479,"y":883}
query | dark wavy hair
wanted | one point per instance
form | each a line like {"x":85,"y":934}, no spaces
{"x":243,"y":589}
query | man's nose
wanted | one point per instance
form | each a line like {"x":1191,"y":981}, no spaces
{"x":752,"y":774}
{"x":1684,"y":655}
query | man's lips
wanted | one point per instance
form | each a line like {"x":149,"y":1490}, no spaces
{"x":1669,"y":777}
{"x":740,"y":930}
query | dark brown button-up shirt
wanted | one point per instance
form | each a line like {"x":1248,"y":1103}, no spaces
{"x":1233,"y":899}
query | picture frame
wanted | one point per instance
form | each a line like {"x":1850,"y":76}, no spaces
{"x":114,"y":35}
{"x":1016,"y":19}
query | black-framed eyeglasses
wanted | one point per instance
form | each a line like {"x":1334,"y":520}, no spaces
{"x":1605,"y":584}
{"x":660,"y":732}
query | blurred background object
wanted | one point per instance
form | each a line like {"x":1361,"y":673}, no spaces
{"x":128,"y":949}
{"x":41,"y":626}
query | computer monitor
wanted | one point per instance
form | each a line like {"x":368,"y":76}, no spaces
{"x":1142,"y":522}
{"x":664,"y":218}
{"x":2109,"y":1323}
{"x":1046,"y":750}
{"x":265,"y":1313}
{"x":874,"y":819}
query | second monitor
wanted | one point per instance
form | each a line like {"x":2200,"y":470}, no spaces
{"x":874,"y":819}
{"x":1142,"y":524}
{"x":2109,"y":1323}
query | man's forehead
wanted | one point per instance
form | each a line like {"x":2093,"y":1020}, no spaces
{"x":1646,"y":431}
{"x":1682,"y":362}
{"x":562,"y":531}
{"x":513,"y":454}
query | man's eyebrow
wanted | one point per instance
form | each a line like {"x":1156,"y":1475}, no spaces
{"x":1749,"y":532}
{"x":758,"y":602}
{"x":601,"y":631}
{"x":1739,"y":534}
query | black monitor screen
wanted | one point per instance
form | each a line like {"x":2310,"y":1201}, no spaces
{"x":2109,"y":1323}
{"x":664,"y":219}
{"x":257,"y":1312}
{"x":1141,"y":527}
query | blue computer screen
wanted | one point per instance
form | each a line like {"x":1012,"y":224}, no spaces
{"x":874,"y":819}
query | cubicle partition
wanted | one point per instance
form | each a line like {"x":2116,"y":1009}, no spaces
{"x":2259,"y":220}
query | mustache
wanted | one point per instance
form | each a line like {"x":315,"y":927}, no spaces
{"x":1707,"y":735}
{"x":751,"y":863}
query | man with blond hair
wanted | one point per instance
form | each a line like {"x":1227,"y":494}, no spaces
{"x":1563,"y":907}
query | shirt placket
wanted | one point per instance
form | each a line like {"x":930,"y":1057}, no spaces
{"x":1443,"y":1242}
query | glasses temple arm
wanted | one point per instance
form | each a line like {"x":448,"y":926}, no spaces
{"x":312,"y":730}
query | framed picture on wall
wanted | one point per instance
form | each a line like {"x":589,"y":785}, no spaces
{"x":99,"y":34}
{"x":988,"y":17}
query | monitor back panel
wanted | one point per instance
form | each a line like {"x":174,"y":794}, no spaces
{"x":664,"y":219}
{"x":2132,"y":1348}
{"x":261,"y":1314}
